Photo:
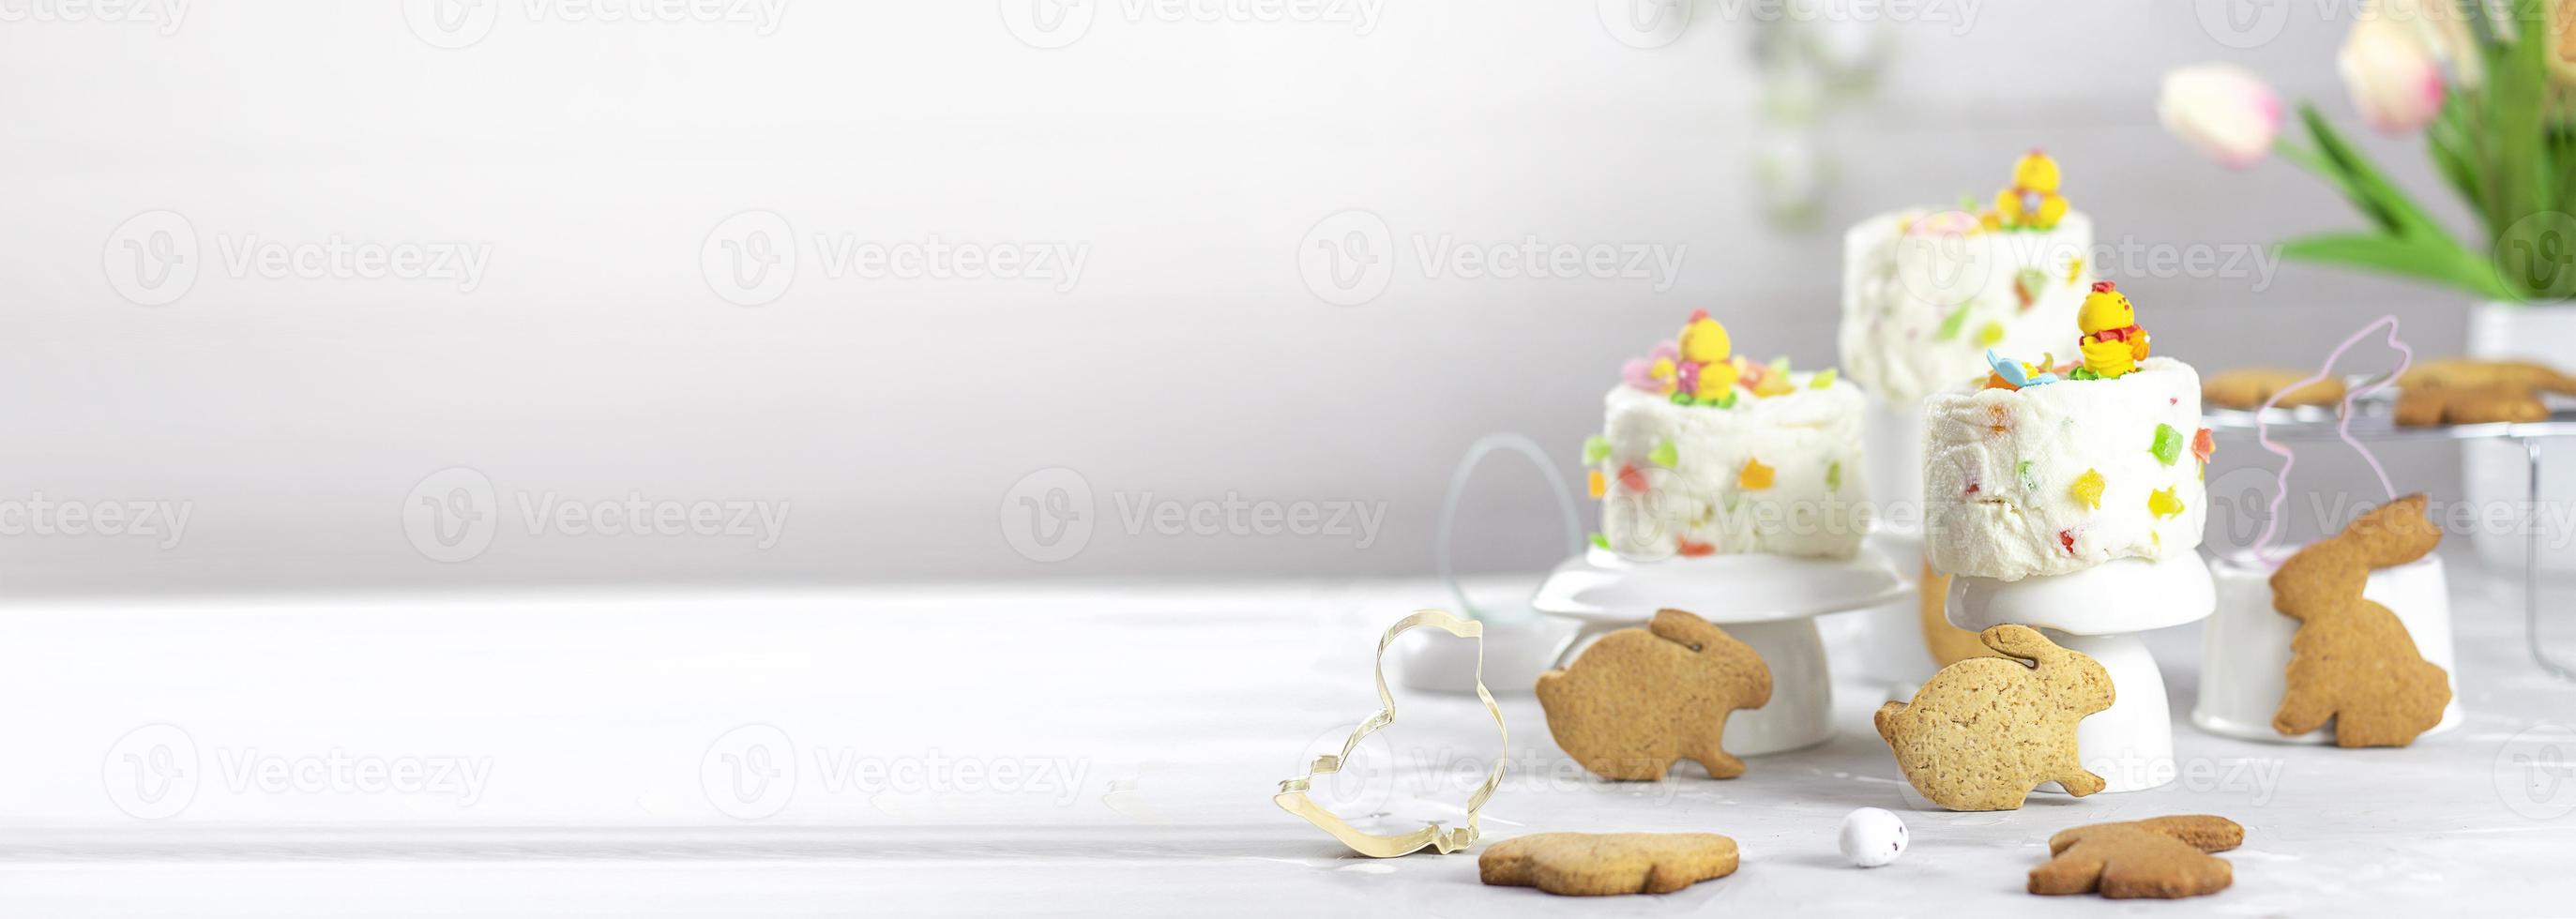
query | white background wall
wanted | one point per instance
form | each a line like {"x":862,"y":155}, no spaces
{"x":296,"y":418}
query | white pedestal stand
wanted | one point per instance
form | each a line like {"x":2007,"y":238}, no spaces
{"x":1766,"y":601}
{"x":2097,"y":612}
{"x":1892,"y":653}
{"x":1889,"y":651}
{"x":2245,"y":655}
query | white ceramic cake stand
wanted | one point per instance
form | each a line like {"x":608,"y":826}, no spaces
{"x":1769,"y":602}
{"x":2245,"y":657}
{"x":1893,"y":654}
{"x":2097,"y":612}
{"x":1890,"y":652}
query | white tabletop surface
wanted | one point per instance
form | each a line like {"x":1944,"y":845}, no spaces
{"x":1125,"y":741}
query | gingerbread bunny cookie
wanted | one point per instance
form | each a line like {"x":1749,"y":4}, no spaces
{"x":2247,"y":388}
{"x":2463,"y":391}
{"x":1639,"y":699}
{"x":2352,"y":660}
{"x":1604,"y":864}
{"x":2164,"y":857}
{"x":1983,"y":732}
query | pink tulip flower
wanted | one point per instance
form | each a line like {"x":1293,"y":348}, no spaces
{"x":2394,"y":80}
{"x":2222,"y":111}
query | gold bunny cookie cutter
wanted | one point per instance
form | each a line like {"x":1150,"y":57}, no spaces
{"x":1292,"y":792}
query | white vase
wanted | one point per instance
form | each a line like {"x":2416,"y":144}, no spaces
{"x":2245,"y":647}
{"x":2496,"y":474}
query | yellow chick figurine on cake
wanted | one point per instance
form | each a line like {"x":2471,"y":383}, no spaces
{"x":2113,"y":344}
{"x":2032,"y":202}
{"x":1704,"y":342}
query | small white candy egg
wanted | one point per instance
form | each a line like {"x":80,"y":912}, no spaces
{"x":1872,"y":837}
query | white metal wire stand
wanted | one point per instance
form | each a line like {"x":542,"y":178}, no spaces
{"x":2372,"y":423}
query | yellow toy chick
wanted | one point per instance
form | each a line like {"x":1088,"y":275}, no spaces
{"x":1704,"y":342}
{"x":2112,"y":344}
{"x":2032,"y":202}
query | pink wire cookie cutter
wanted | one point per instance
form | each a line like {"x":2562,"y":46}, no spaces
{"x":2262,"y":549}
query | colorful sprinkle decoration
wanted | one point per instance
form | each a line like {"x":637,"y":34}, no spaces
{"x":1951,"y":324}
{"x":2163,"y":503}
{"x":1664,"y":455}
{"x":1755,"y":476}
{"x":2088,"y":488}
{"x":2168,"y":444}
{"x":1595,"y":449}
{"x":2027,"y":287}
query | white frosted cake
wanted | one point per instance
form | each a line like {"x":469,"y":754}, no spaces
{"x":1926,"y":292}
{"x":1705,"y":453}
{"x":2048,"y":470}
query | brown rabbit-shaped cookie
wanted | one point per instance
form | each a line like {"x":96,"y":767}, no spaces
{"x":2352,"y":660}
{"x":2166,"y":857}
{"x":1639,"y":699}
{"x":1603,"y":864}
{"x":2463,"y":391}
{"x":1984,"y":731}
